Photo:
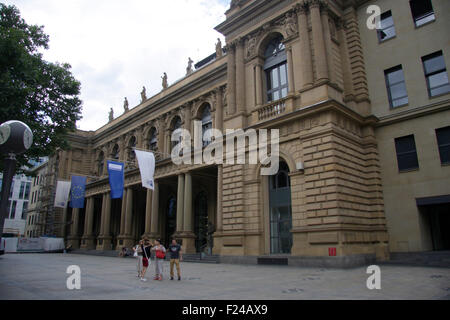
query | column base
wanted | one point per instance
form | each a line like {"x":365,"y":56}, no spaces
{"x":88,"y":242}
{"x":188,"y":242}
{"x":73,"y":242}
{"x":124,"y":241}
{"x":104,"y":243}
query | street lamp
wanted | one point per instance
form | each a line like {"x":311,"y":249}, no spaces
{"x":15,"y":138}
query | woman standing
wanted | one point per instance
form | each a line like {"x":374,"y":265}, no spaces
{"x":160,"y":253}
{"x":146,"y":251}
{"x":138,"y":254}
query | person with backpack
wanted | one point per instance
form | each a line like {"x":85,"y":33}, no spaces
{"x":160,"y":254}
{"x":146,"y":247}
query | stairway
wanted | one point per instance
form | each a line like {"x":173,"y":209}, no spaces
{"x":197,"y":257}
{"x":440,"y":259}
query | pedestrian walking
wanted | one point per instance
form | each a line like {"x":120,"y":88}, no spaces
{"x":160,"y":254}
{"x":175,"y":257}
{"x":146,"y":252}
{"x":138,"y":254}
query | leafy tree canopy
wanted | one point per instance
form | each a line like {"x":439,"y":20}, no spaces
{"x":42,"y":94}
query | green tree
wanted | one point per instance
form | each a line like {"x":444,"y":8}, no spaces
{"x":42,"y":94}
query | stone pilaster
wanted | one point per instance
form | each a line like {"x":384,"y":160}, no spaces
{"x":180,"y":203}
{"x":320,"y":55}
{"x":305,"y":49}
{"x":231,"y":83}
{"x":240,"y":77}
{"x":88,"y":239}
{"x":188,"y":234}
{"x":74,"y":238}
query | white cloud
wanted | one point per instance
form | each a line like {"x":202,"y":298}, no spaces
{"x":116,"y":47}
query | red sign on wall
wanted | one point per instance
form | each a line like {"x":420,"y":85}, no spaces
{"x":332,"y":252}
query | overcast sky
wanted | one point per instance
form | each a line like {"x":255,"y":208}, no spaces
{"x":115,"y":47}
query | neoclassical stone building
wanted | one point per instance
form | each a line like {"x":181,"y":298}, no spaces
{"x":296,"y":66}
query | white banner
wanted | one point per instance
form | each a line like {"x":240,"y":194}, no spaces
{"x":62,"y":194}
{"x":146,"y":162}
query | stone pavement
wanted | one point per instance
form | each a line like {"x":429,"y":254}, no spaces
{"x":43,"y":276}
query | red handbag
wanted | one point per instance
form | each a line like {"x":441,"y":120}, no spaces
{"x":160,"y":254}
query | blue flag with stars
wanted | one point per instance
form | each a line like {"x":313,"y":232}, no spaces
{"x":77,"y":190}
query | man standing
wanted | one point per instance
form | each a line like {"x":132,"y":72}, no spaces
{"x":175,"y":258}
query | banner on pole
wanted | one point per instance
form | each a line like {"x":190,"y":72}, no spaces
{"x":62,"y":193}
{"x":77,"y":190}
{"x":116,"y":178}
{"x":146,"y":161}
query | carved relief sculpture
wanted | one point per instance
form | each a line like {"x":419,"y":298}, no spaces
{"x":251,"y":46}
{"x":290,"y":25}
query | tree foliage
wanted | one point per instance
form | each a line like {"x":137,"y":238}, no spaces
{"x":42,"y":94}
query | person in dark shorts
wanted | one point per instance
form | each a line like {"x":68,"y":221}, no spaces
{"x":146,"y":251}
{"x":175,"y":257}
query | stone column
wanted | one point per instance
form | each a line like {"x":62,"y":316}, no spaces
{"x":305,"y":48}
{"x":148,"y":212}
{"x":123,"y":212}
{"x":219,"y":223}
{"x":240,"y":76}
{"x":188,"y":234}
{"x":290,"y":70}
{"x":219,"y":109}
{"x":88,"y":240}
{"x":129,"y":214}
{"x":328,"y":44}
{"x":64,"y":223}
{"x":231,"y":77}
{"x":74,"y":238}
{"x":104,"y":240}
{"x":259,"y":85}
{"x":318,"y":41}
{"x":155,"y":211}
{"x":180,"y":203}
{"x":161,"y":136}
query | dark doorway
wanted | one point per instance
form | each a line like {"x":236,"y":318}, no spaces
{"x":201,"y":221}
{"x":280,"y":211}
{"x":171,"y":219}
{"x":438,"y":216}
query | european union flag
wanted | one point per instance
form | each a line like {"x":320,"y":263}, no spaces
{"x":116,"y":178}
{"x":77,"y":190}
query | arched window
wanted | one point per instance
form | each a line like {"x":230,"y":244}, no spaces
{"x":275,"y":68}
{"x":101,"y":163}
{"x":206,"y":124}
{"x":153,"y":141}
{"x":131,"y":145}
{"x":281,"y":179}
{"x":176,"y":124}
{"x":115,"y":152}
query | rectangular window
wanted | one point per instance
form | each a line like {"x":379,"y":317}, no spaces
{"x":396,"y":87}
{"x":443,"y":139}
{"x":422,"y":11}
{"x":24,"y":210}
{"x":436,"y":74}
{"x":27,"y":190}
{"x":12,"y":214}
{"x":406,"y":153}
{"x":387,"y":29}
{"x":22,"y":190}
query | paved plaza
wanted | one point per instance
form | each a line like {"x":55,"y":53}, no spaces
{"x":43,"y":276}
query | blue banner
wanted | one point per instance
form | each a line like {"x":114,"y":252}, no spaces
{"x":116,"y":178}
{"x":77,"y":190}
